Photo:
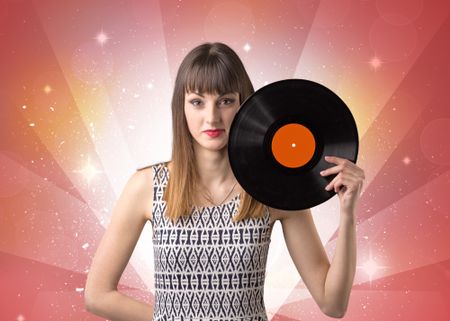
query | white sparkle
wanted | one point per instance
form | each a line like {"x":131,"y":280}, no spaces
{"x":79,"y":289}
{"x":375,"y":63}
{"x":88,"y":171}
{"x":371,"y":267}
{"x":20,"y":317}
{"x":85,"y":246}
{"x":406,"y":160}
{"x":102,"y":38}
{"x":247,"y":47}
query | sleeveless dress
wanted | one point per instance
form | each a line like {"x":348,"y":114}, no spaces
{"x":206,"y":266}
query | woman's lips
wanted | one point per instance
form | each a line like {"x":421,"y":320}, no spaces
{"x":213,"y":133}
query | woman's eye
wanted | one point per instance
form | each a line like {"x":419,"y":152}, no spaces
{"x":195,"y":102}
{"x":225,"y":101}
{"x":228,"y":101}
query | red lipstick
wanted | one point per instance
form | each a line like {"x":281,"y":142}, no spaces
{"x":214,"y":132}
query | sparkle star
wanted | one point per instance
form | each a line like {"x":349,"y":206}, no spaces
{"x":88,"y":171}
{"x":102,"y":38}
{"x":375,"y":63}
{"x":371,"y":267}
{"x":406,"y":160}
{"x":247,"y":47}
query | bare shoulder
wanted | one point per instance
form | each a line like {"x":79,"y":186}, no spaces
{"x":141,"y":183}
{"x":281,"y":215}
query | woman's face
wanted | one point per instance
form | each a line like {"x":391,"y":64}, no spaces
{"x":206,"y":111}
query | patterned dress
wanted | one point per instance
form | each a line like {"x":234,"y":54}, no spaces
{"x":206,"y":266}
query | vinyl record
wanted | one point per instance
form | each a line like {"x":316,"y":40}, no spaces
{"x":278,"y":140}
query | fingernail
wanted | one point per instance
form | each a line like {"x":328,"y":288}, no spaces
{"x":322,"y":172}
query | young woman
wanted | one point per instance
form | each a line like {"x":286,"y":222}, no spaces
{"x":211,"y":238}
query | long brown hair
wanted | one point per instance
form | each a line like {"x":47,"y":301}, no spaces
{"x":210,"y":68}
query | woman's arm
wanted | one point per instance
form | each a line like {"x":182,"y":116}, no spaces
{"x":348,"y":185}
{"x":116,"y":306}
{"x":114,"y":251}
{"x":329,"y":285}
{"x":339,"y":280}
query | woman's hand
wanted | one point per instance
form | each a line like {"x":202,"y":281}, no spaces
{"x":347,"y":183}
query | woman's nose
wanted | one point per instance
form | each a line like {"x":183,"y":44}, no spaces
{"x":212,"y":112}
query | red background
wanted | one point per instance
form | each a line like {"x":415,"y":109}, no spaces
{"x":84,"y":83}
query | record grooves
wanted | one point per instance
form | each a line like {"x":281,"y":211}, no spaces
{"x":278,"y":140}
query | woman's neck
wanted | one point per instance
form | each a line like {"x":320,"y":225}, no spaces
{"x":214,"y":169}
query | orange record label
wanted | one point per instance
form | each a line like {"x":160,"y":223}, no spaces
{"x":293,"y":145}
